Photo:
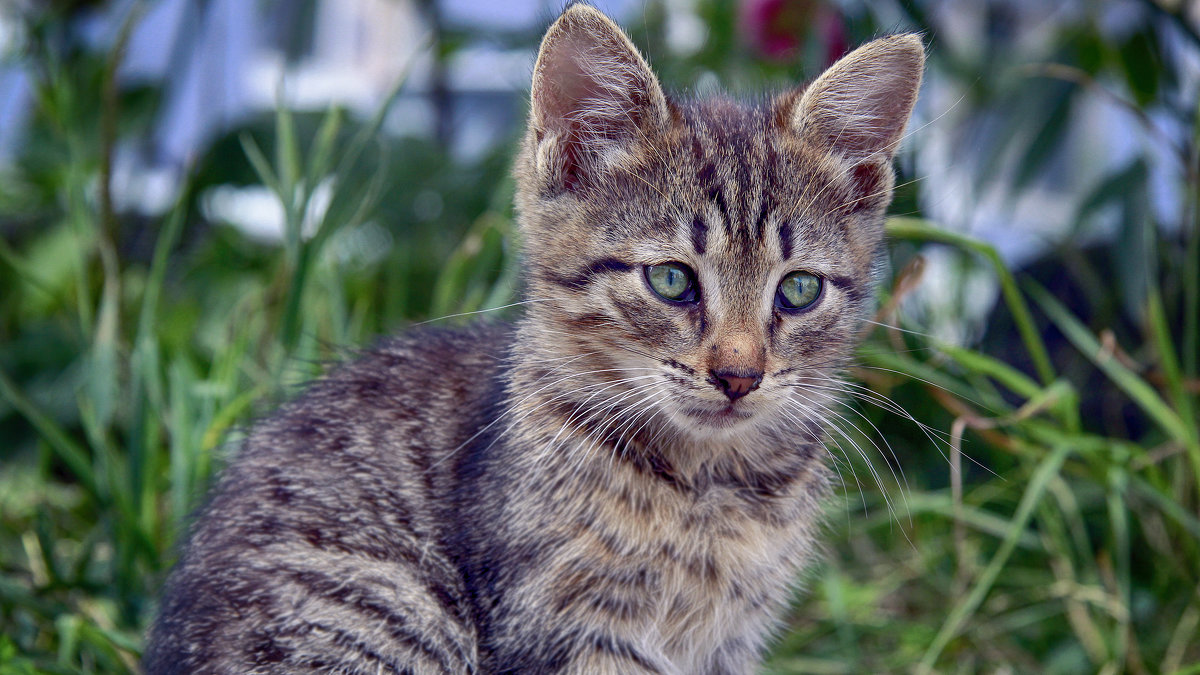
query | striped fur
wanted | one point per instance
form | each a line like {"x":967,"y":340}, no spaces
{"x":576,"y":493}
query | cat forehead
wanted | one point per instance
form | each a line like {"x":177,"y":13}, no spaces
{"x":720,"y":128}
{"x":731,"y":164}
{"x":723,"y":116}
{"x":725,"y":140}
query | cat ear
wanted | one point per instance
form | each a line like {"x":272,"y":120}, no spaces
{"x":593,"y":97}
{"x":861,"y":104}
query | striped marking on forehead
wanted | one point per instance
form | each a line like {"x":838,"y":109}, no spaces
{"x":699,"y":235}
{"x":737,"y":170}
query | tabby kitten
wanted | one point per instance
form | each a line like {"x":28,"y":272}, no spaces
{"x":629,"y":478}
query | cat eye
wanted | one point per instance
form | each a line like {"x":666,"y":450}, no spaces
{"x":798,"y":290}
{"x":672,"y":281}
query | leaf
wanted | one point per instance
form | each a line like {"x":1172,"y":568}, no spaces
{"x":1111,"y":189}
{"x":1135,"y":263}
{"x":1047,"y":141}
{"x":1139,"y":60}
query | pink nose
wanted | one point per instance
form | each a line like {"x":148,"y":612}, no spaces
{"x":736,"y":384}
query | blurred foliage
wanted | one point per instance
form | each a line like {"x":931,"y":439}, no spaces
{"x":1027,"y":503}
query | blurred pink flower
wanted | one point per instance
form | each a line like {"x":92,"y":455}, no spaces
{"x":778,"y":29}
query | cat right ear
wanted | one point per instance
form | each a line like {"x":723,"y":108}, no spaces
{"x":858,"y":108}
{"x":594,"y":97}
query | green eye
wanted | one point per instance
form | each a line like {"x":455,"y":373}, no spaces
{"x":798,"y":290}
{"x":672,"y":281}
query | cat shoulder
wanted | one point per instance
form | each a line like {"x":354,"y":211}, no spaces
{"x":417,"y":392}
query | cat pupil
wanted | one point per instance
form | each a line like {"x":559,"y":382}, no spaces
{"x":674,"y":278}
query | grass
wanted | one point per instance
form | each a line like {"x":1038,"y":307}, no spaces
{"x":1047,"y":520}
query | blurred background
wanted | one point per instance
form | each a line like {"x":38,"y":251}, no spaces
{"x":204,"y":202}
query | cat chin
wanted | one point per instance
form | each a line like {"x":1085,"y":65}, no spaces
{"x":704,"y":422}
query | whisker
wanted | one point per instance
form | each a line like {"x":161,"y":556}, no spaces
{"x":907,"y":331}
{"x":484,"y":311}
{"x":890,"y":451}
{"x":597,"y":410}
{"x":836,"y":464}
{"x":514,"y":406}
{"x":922,"y":380}
{"x":870,"y":465}
{"x":863,"y":393}
{"x":601,"y":434}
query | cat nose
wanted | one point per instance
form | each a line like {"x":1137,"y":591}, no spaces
{"x":736,"y":384}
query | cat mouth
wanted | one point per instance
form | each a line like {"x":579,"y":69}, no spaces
{"x":724,"y":416}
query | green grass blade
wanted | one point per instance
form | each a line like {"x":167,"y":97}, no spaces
{"x":942,"y":504}
{"x":167,"y":238}
{"x":1168,"y":505}
{"x":23,"y":269}
{"x":1170,"y":364}
{"x":894,"y":362}
{"x":320,"y":160}
{"x":258,"y":161}
{"x":182,"y":450}
{"x":73,"y":455}
{"x":1010,"y":377}
{"x":1047,"y":470}
{"x":287,"y":152}
{"x":68,"y":627}
{"x":370,"y":130}
{"x":921,"y":230}
{"x":1118,"y":516}
{"x":1191,"y":261}
{"x":293,"y":197}
{"x":1137,"y":389}
{"x":145,"y":447}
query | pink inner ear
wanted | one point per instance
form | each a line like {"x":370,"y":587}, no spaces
{"x":565,"y":87}
{"x":868,"y":181}
{"x":861,"y":105}
{"x":593,"y":93}
{"x":591,"y":87}
{"x":861,"y":123}
{"x":564,"y":95}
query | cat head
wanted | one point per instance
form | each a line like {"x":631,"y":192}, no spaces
{"x":703,"y":263}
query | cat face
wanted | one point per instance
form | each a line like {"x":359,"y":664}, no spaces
{"x":704,"y":264}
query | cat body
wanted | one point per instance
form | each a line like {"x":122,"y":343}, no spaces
{"x":627,"y":480}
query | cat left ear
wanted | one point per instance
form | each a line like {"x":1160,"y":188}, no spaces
{"x":593,"y":97}
{"x":859,"y":106}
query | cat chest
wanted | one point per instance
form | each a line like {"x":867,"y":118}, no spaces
{"x":725,"y":577}
{"x":694,"y":575}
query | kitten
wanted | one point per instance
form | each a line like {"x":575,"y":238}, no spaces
{"x":628,"y":479}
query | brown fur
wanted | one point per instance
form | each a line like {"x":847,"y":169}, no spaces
{"x":577,"y":493}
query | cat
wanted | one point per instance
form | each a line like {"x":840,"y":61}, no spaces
{"x":629,"y":478}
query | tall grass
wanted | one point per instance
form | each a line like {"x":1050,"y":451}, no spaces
{"x":1011,"y":529}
